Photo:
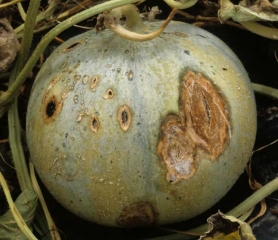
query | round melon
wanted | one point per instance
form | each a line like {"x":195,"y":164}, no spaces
{"x":126,"y":133}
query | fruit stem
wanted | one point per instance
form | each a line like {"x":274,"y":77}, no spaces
{"x":133,"y":19}
{"x":111,"y":21}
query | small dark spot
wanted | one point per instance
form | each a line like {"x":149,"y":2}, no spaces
{"x":200,"y":35}
{"x":124,"y":117}
{"x":66,"y":135}
{"x":94,"y":123}
{"x":225,"y":69}
{"x":72,"y":46}
{"x":187,"y":52}
{"x":50,"y":109}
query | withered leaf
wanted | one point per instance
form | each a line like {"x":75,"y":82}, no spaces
{"x":261,"y":10}
{"x":9,"y":45}
{"x":222,"y":227}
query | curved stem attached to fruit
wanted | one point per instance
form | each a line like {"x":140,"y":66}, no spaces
{"x":133,"y":21}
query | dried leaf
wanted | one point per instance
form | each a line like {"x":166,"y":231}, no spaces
{"x":261,"y":10}
{"x":222,"y":227}
{"x":9,"y":45}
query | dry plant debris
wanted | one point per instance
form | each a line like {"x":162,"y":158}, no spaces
{"x":9,"y":45}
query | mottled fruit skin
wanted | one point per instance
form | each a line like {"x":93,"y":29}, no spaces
{"x":127,"y":133}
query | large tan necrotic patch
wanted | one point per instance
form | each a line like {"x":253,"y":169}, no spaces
{"x":201,"y":128}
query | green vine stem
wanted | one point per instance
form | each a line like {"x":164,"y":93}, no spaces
{"x":13,"y":118}
{"x":265,"y":90}
{"x":21,"y":11}
{"x":41,"y":16}
{"x":8,"y":96}
{"x":4,"y":5}
{"x":17,"y":217}
{"x":51,"y":225}
{"x":261,"y":30}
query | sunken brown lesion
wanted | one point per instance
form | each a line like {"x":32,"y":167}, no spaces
{"x":72,"y":46}
{"x":108,"y":94}
{"x":176,"y":149}
{"x":124,"y":117}
{"x":201,"y":127}
{"x":51,"y":108}
{"x":137,"y":215}
{"x":206,"y":113}
{"x":95,"y":124}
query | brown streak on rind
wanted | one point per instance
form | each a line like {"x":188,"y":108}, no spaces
{"x":206,"y":114}
{"x":137,"y":215}
{"x":72,"y":46}
{"x":201,"y":128}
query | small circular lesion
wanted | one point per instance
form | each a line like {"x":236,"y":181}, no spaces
{"x":52,"y":107}
{"x":108,"y":94}
{"x":124,"y":117}
{"x":94,"y":124}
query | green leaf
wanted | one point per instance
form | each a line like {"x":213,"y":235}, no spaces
{"x":26,"y":205}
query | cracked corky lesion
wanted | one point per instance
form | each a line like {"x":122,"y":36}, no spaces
{"x":201,"y":127}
